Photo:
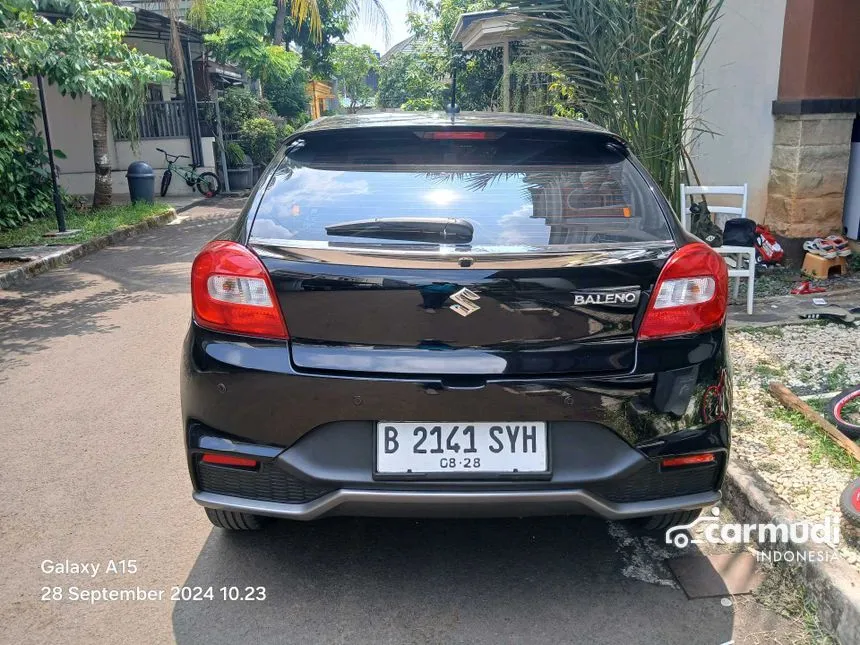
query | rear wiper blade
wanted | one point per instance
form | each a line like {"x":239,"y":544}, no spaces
{"x":439,"y":230}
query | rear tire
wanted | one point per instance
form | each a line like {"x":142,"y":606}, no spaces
{"x":208,"y":184}
{"x":165,"y":181}
{"x":668,"y":520}
{"x":233,"y":521}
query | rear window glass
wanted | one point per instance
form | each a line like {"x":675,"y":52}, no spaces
{"x":520,"y":190}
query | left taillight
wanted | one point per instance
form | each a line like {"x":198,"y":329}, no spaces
{"x":231,"y":292}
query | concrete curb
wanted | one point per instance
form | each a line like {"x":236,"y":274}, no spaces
{"x":834,"y":586}
{"x":67,"y":254}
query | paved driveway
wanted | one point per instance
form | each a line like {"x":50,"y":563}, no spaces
{"x":93,"y":471}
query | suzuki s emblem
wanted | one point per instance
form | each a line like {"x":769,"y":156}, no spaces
{"x":465,"y":300}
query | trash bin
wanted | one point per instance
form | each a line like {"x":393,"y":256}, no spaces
{"x":141,"y":182}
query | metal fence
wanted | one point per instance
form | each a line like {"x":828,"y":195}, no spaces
{"x":164,"y":119}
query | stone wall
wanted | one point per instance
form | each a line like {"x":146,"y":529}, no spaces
{"x":808,"y":170}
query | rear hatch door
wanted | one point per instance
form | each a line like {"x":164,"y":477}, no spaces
{"x":568,"y":239}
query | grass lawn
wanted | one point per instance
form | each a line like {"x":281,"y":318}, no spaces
{"x":92,"y":224}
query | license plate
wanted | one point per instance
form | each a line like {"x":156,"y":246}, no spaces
{"x":461,"y":448}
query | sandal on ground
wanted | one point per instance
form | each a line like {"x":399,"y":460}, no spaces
{"x":820,"y":246}
{"x":841,"y":244}
{"x":805,"y":287}
{"x":835,"y":314}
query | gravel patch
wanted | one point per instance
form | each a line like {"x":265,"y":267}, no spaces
{"x":809,"y":359}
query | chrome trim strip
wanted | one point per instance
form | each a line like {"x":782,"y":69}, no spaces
{"x":394,"y":500}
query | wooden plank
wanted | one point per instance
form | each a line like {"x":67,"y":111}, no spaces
{"x":793,"y":402}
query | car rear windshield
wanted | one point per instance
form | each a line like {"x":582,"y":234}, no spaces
{"x":522,"y":189}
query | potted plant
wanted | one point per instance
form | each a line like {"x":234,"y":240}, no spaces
{"x":239,"y":169}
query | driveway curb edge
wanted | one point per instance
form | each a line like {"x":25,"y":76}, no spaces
{"x":834,"y":586}
{"x":67,"y":254}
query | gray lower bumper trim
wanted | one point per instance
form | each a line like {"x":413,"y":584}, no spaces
{"x":457,"y":504}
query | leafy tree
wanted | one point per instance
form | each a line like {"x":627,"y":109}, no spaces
{"x":288,"y":94}
{"x":239,"y":105}
{"x":253,"y":33}
{"x":302,"y":12}
{"x":352,"y":64}
{"x":479,"y":73}
{"x":405,"y":78}
{"x":316,"y":52}
{"x":25,"y":190}
{"x":314,"y":13}
{"x":83,"y":53}
{"x":631,"y":62}
{"x":239,"y":33}
{"x":260,"y":140}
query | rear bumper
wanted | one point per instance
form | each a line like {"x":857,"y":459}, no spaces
{"x":313,"y":434}
{"x":331,"y":472}
{"x":394,"y":503}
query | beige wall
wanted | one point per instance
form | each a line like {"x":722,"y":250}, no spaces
{"x":71,"y":133}
{"x":735,"y":85}
{"x":159,"y":50}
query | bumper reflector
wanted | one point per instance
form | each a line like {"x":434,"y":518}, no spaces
{"x":229,"y":460}
{"x":688,"y":460}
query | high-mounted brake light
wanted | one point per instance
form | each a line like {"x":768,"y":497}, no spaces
{"x":229,"y":460}
{"x":231,"y":291}
{"x":459,"y":135}
{"x":690,"y":296}
{"x":689,"y":460}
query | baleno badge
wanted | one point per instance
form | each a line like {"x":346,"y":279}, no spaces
{"x":606,"y":298}
{"x":465,"y":302}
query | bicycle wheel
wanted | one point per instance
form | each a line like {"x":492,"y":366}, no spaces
{"x":849,"y":502}
{"x":845,"y":410}
{"x":165,"y":181}
{"x":208,"y":184}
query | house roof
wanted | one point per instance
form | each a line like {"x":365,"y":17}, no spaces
{"x":147,"y":24}
{"x":405,"y":46}
{"x":487,"y":29}
{"x":153,"y":23}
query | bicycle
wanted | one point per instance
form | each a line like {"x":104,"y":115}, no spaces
{"x":206,"y":182}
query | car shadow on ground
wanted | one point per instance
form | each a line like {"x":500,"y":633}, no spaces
{"x":351,"y":580}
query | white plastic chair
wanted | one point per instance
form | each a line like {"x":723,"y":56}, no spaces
{"x":738,"y":253}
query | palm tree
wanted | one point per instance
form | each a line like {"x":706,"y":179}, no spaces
{"x":631,"y":62}
{"x":103,"y":187}
{"x":308,"y":11}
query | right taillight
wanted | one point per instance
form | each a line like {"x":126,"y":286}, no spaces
{"x":690,"y":296}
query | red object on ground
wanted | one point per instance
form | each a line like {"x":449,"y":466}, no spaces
{"x":849,"y":502}
{"x":805,"y":288}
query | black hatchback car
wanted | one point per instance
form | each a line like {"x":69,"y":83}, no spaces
{"x":477,"y":315}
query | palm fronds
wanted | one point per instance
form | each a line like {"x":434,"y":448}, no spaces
{"x":373,"y":13}
{"x":632,"y":63}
